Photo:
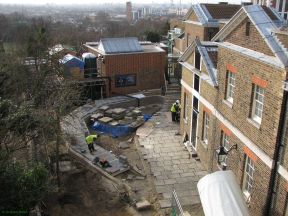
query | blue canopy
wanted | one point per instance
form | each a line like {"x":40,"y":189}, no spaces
{"x":72,"y":61}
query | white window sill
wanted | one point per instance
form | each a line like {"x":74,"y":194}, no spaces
{"x":228,"y":103}
{"x":247,"y":196}
{"x":254,"y":123}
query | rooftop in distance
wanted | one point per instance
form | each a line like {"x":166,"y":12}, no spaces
{"x":129,"y":45}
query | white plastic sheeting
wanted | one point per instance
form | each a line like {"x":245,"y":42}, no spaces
{"x":221,"y":195}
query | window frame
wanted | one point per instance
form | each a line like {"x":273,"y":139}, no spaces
{"x":247,"y":28}
{"x":185,"y":111}
{"x":230,"y":86}
{"x":196,"y":77}
{"x":225,"y":140}
{"x":200,"y":63}
{"x":205,"y":133}
{"x":248,"y":178}
{"x":257,"y":105}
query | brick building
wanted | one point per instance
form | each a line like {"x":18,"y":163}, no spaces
{"x":204,"y":21}
{"x":129,"y":15}
{"x":233,"y":99}
{"x":129,"y":65}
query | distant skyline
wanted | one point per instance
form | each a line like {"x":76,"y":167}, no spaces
{"x":69,"y":2}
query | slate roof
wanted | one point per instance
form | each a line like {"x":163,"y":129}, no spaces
{"x":120,"y":45}
{"x":210,"y":14}
{"x":221,"y":11}
{"x":261,"y":18}
{"x":208,"y":52}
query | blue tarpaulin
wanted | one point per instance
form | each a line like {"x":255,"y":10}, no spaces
{"x":116,"y":131}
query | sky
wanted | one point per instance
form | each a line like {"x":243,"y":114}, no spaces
{"x":104,"y":1}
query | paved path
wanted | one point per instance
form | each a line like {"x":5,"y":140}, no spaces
{"x":170,"y":162}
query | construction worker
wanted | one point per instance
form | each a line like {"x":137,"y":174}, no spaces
{"x":90,"y":139}
{"x":174,"y":110}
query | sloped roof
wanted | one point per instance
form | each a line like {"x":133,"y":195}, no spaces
{"x":120,"y":45}
{"x":71,"y":60}
{"x":221,"y":11}
{"x":210,"y":14}
{"x":204,"y":50}
{"x":263,"y":23}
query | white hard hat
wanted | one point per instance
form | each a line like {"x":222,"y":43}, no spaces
{"x":177,"y":101}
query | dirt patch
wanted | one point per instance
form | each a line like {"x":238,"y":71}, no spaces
{"x":84,"y":193}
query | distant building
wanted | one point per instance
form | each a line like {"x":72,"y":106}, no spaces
{"x":139,"y":11}
{"x":135,"y":15}
{"x":128,"y":65}
{"x":61,"y":50}
{"x":73,"y":67}
{"x":129,"y":11}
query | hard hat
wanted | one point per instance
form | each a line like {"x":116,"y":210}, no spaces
{"x":177,"y":101}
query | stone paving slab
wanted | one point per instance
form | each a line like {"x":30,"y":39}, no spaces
{"x":170,"y":163}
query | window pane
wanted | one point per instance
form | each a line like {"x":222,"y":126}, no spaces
{"x":230,"y":86}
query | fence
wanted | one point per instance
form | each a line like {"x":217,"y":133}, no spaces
{"x":176,"y":206}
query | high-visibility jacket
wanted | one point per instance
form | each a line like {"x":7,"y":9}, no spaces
{"x":89,"y":139}
{"x":175,"y":107}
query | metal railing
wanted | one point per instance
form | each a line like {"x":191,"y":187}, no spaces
{"x":176,"y":206}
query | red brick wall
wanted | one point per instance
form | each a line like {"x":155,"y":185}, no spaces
{"x":253,"y":42}
{"x":148,"y":67}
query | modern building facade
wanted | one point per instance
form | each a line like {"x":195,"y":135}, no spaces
{"x":129,"y":65}
{"x":234,"y":101}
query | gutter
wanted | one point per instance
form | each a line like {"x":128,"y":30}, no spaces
{"x":278,"y":157}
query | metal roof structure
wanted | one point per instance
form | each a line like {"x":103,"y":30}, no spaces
{"x":203,"y":49}
{"x":120,"y":45}
{"x":210,"y":14}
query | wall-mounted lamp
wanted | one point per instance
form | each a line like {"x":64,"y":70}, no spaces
{"x":222,"y":155}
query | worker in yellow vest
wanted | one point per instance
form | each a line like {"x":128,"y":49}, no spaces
{"x":90,"y":139}
{"x":174,"y":109}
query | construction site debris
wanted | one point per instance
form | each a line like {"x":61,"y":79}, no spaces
{"x":123,"y":145}
{"x":103,"y":108}
{"x":136,"y":112}
{"x":96,"y":116}
{"x":119,"y":111}
{"x":105,"y":120}
{"x":137,"y":171}
{"x":108,"y":112}
{"x":123,"y":159}
{"x":130,"y":177}
{"x":143,"y":205}
{"x":137,"y":123}
{"x":139,"y":177}
{"x":114,"y":123}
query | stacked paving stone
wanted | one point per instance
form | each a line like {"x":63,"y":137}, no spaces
{"x":115,"y":116}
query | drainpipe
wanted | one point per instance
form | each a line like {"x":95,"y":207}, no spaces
{"x":278,"y":155}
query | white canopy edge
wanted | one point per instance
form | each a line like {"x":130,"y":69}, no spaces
{"x":221,"y":195}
